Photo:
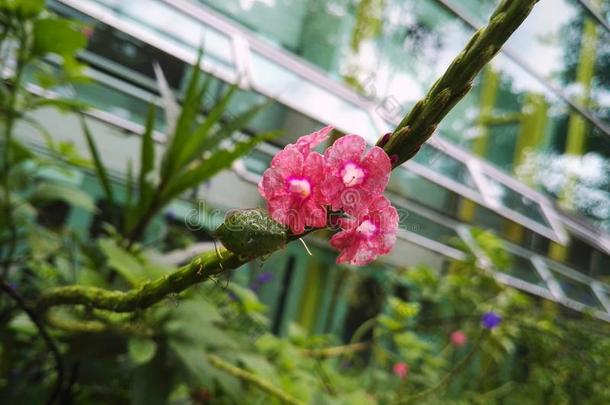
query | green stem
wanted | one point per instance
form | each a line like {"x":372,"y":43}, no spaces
{"x":454,"y":84}
{"x":199,"y":269}
{"x":337,"y":350}
{"x":253,"y":379}
{"x":72,"y":326}
{"x":8,"y":136}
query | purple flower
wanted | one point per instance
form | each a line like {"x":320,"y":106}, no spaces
{"x":490,"y":320}
{"x":264,"y":277}
{"x":261,"y":279}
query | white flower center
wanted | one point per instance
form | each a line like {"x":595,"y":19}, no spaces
{"x":352,"y":175}
{"x":300,"y":187}
{"x":367,"y":228}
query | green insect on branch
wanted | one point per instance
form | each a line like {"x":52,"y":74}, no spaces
{"x":404,"y":143}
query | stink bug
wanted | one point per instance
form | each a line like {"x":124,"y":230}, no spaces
{"x":251,"y":233}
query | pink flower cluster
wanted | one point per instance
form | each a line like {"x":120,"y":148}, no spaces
{"x":301,"y":186}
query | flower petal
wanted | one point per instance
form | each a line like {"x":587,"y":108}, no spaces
{"x":345,"y":149}
{"x":378,"y":166}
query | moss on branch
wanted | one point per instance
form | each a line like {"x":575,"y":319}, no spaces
{"x":199,"y":269}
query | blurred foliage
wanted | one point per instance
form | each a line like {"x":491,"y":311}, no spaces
{"x":212,"y":344}
{"x":369,"y":21}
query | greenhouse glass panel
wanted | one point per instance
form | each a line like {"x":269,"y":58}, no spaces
{"x":413,"y":222}
{"x":184,"y":31}
{"x":576,"y":290}
{"x":439,"y":161}
{"x":522,"y":268}
{"x":302,"y":94}
{"x":515,"y":201}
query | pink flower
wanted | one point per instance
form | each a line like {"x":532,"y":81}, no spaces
{"x":307,"y":142}
{"x":401,"y":369}
{"x":291,"y":185}
{"x":369,"y":234}
{"x":458,"y":338}
{"x":354,"y":177}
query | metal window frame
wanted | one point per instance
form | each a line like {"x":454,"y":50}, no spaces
{"x":478,"y":170}
{"x":433,"y":216}
{"x":539,"y":263}
{"x":593,"y":236}
{"x":291,"y":62}
{"x":557,"y":232}
{"x":586,"y":4}
{"x":596,"y":288}
{"x":108,"y":17}
{"x":562,"y":222}
{"x":100,"y":115}
{"x":602,"y":293}
{"x":479,"y":167}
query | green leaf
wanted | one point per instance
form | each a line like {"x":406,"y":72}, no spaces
{"x":141,"y":350}
{"x":197,"y":320}
{"x":236,"y":123}
{"x":123,"y":262}
{"x":153,"y":382}
{"x":259,"y":364}
{"x":19,"y":152}
{"x":57,"y":35}
{"x":68,"y":194}
{"x":209,"y":167}
{"x":24,"y":8}
{"x":198,"y":313}
{"x":190,"y":107}
{"x":43,"y":244}
{"x":202,"y":373}
{"x":248,"y":299}
{"x":195,"y":143}
{"x":129,"y":185}
{"x":100,"y":169}
{"x":22,"y":324}
{"x":170,"y":106}
{"x":59,"y":103}
{"x":147,"y":161}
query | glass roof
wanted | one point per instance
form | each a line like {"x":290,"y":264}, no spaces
{"x":296,"y":91}
{"x":184,"y":32}
{"x":439,"y":161}
{"x":514,"y":200}
{"x":576,"y":290}
{"x":523,"y":269}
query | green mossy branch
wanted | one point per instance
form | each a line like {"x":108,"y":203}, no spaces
{"x":199,"y":269}
{"x":452,"y":86}
{"x":406,"y":140}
